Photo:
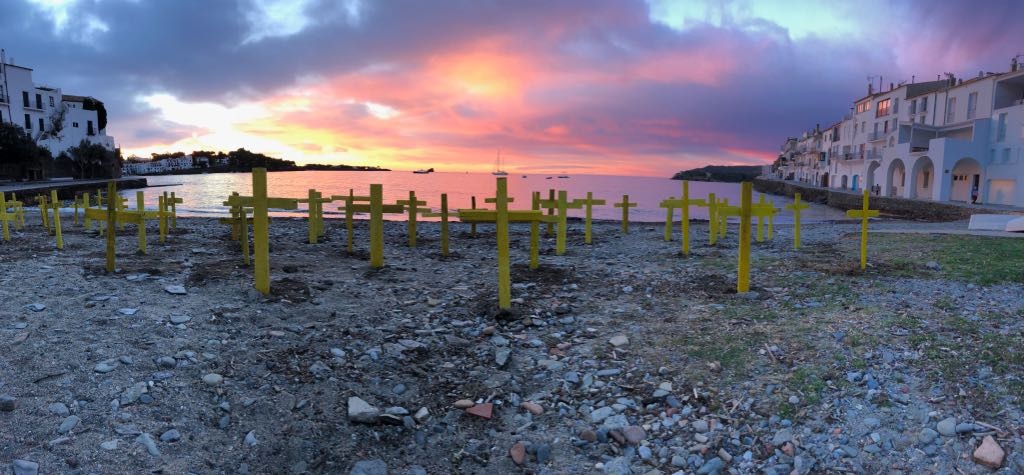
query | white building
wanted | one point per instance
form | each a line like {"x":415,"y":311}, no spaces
{"x":941,"y":140}
{"x":35,"y":108}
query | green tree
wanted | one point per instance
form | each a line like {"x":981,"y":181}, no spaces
{"x":90,"y":160}
{"x":20,"y":156}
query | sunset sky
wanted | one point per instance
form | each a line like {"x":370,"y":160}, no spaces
{"x":584,"y":86}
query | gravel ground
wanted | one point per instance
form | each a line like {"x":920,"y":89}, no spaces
{"x":619,"y":357}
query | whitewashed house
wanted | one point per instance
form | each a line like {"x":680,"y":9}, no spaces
{"x":37,"y":108}
{"x":944,"y":140}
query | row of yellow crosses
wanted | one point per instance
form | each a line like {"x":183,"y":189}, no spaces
{"x":259,"y":204}
{"x":12,"y":213}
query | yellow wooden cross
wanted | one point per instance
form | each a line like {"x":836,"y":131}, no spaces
{"x":375,"y":206}
{"x":562,"y":204}
{"x":864,"y":213}
{"x":796,"y":207}
{"x":412,"y":205}
{"x":588,"y":205}
{"x":111,"y":222}
{"x":765,"y":212}
{"x":44,"y":212}
{"x":18,"y":208}
{"x":240,"y":207}
{"x":171,"y":202}
{"x":625,"y":205}
{"x":5,"y":217}
{"x":551,"y":211}
{"x":504,"y":264}
{"x":138,"y":217}
{"x":683,"y":204}
{"x":472,"y":226}
{"x":723,"y":224}
{"x":315,"y":209}
{"x":56,"y":219}
{"x":443,"y":214}
{"x":743,"y":268}
{"x":533,"y":216}
{"x":350,"y":201}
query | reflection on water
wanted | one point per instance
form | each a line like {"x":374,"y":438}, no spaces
{"x":204,"y":194}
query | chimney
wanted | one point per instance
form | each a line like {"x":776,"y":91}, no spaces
{"x":1014,"y":64}
{"x":890,"y":86}
{"x":871,"y":89}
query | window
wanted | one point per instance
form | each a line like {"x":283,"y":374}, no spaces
{"x":39,"y":101}
{"x":896,"y":106}
{"x":863,"y":126}
{"x":950,"y":109}
{"x":24,"y":98}
{"x":883,"y":108}
{"x":28,"y":122}
{"x":1,"y":117}
{"x":925,"y":179}
{"x":74,"y":124}
{"x":51,"y":101}
{"x":1001,"y":128}
{"x":1006,"y":155}
{"x":992,"y":156}
{"x":41,"y":127}
{"x":913,"y":107}
{"x":885,"y":126}
{"x":924,"y":104}
{"x":972,"y":105}
{"x":863,"y":107}
{"x":88,"y":128}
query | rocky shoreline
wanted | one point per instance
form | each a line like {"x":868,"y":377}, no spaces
{"x":620,"y":357}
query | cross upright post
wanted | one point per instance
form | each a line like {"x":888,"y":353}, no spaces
{"x":625,"y":205}
{"x":504,"y":264}
{"x":796,"y":207}
{"x":864,"y":213}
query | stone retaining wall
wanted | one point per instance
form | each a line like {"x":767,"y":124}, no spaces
{"x":894,"y":207}
{"x":68,"y":190}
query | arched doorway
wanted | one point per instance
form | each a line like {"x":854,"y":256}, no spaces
{"x":824,"y":180}
{"x":922,"y":179}
{"x":966,"y":177}
{"x":854,"y":186}
{"x":895,"y":178}
{"x":842,"y":182}
{"x":870,"y":178}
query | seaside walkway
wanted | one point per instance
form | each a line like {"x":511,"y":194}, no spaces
{"x":66,"y":190}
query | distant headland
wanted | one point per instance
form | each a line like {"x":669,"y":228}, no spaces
{"x":237,"y":161}
{"x":724,"y":173}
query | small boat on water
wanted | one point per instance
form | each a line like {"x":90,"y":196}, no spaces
{"x":563,"y":176}
{"x":548,"y":178}
{"x":497,"y":167}
{"x":524,"y":176}
{"x":429,"y":170}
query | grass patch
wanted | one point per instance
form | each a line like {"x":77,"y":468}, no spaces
{"x":977,"y":259}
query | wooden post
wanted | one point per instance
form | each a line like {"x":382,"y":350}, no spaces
{"x":86,"y":221}
{"x":472,"y":226}
{"x":797,"y":207}
{"x":56,"y":219}
{"x":244,"y":235}
{"x":376,"y":226}
{"x":111,"y":232}
{"x":162,"y":216}
{"x":311,"y":208}
{"x":174,"y":211}
{"x":535,"y":233}
{"x":668,"y":221}
{"x":412,"y":206}
{"x":44,"y":212}
{"x":723,"y":227}
{"x":140,"y":204}
{"x":563,"y":222}
{"x":551,"y":212}
{"x":76,"y":210}
{"x":712,"y":219}
{"x":864,"y":213}
{"x":4,"y":218}
{"x":760,"y":219}
{"x":261,"y":230}
{"x":587,"y":218}
{"x":504,"y":264}
{"x":349,"y":216}
{"x":625,"y":205}
{"x":743,"y":272}
{"x":444,"y":224}
{"x":685,"y":218}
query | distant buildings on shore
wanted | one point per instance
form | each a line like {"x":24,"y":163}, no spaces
{"x":55,"y":120}
{"x":954,"y":139}
{"x":135,"y":165}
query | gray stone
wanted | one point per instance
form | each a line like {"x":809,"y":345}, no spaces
{"x":700,"y":426}
{"x":59,"y":409}
{"x":36,"y":307}
{"x":543,"y":453}
{"x":947,"y":427}
{"x":250,"y":438}
{"x":105,"y":366}
{"x":128,"y":311}
{"x":8,"y":402}
{"x":68,"y":424}
{"x":166,"y":362}
{"x":109,"y":445}
{"x":147,"y":441}
{"x":679,"y":461}
{"x":620,"y":465}
{"x":132,"y":394}
{"x":179,"y":319}
{"x":369,"y":467}
{"x":600,"y":414}
{"x":175,"y":289}
{"x":782,"y":436}
{"x":213,"y":379}
{"x":965,"y":427}
{"x":872,"y":422}
{"x":619,"y":340}
{"x":25,"y":467}
{"x":927,"y":435}
{"x":617,"y":421}
{"x":361,"y":411}
{"x":711,"y":466}
{"x":501,"y":357}
{"x":170,"y":436}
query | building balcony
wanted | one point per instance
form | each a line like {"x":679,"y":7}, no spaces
{"x":4,"y":99}
{"x":877,"y":136}
{"x":874,"y":154}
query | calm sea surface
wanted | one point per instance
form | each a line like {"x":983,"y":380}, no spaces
{"x":204,"y":194}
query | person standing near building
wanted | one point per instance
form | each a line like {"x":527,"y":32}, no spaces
{"x":974,"y":194}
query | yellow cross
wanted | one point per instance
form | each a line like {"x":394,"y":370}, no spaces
{"x":864,"y":213}
{"x":796,"y":207}
{"x":625,"y":205}
{"x":743,"y":268}
{"x":764,"y":211}
{"x":412,"y":205}
{"x":315,"y":209}
{"x":712,"y":205}
{"x":588,"y":205}
{"x":5,"y":217}
{"x":443,"y":214}
{"x":138,"y":216}
{"x":349,"y":208}
{"x":172,"y":202}
{"x":562,"y":204}
{"x":533,"y":216}
{"x":683,"y":204}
